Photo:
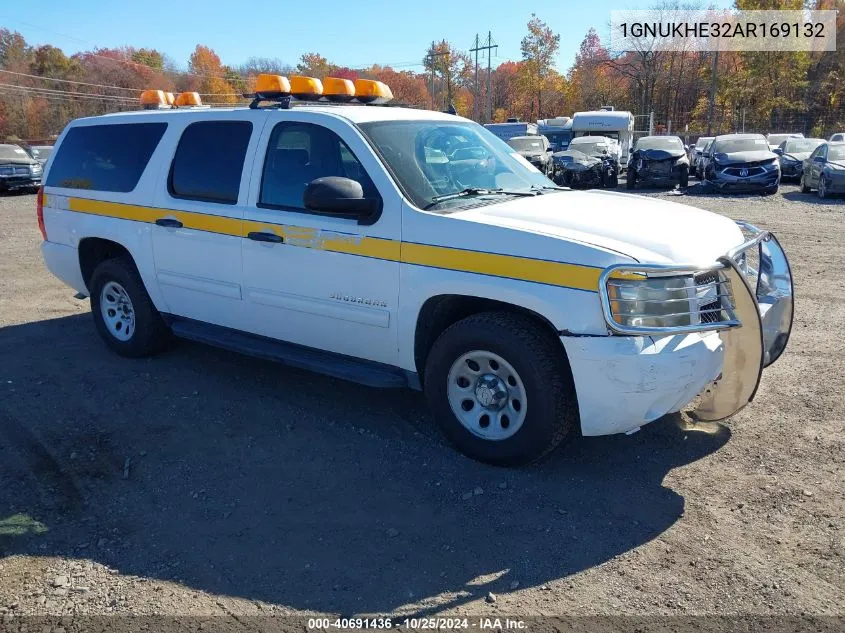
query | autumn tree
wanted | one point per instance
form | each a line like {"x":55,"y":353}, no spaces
{"x":451,"y":67}
{"x":539,"y":49}
{"x":209,"y":75}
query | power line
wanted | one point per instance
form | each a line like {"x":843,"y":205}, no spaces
{"x":68,"y":81}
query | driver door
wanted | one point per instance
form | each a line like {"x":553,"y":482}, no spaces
{"x":817,"y":161}
{"x":323,"y":282}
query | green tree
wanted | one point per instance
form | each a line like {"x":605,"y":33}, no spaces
{"x":539,"y":49}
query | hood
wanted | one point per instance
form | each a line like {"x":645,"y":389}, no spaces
{"x":798,"y":155}
{"x":750,"y":156}
{"x":530,"y":153}
{"x":659,"y":154}
{"x":570,"y":157}
{"x":648,"y":230}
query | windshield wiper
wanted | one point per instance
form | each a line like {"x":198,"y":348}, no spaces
{"x":476,"y":191}
{"x":547,"y":188}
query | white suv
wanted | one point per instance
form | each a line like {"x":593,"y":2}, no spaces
{"x":341,"y":237}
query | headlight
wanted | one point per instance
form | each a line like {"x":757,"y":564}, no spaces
{"x":653,"y":302}
{"x":7,"y":171}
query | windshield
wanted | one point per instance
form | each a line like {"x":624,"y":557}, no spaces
{"x":798,"y":145}
{"x":605,"y":133}
{"x":41,"y":152}
{"x":592,"y":148}
{"x":703,"y":141}
{"x":558,"y":139}
{"x":417,"y":153}
{"x":12,"y":152}
{"x":728,"y":146}
{"x":777,"y":139}
{"x":660,"y":142}
{"x":526,"y":144}
{"x":836,"y":152}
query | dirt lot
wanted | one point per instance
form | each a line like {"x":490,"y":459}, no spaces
{"x":202,"y":482}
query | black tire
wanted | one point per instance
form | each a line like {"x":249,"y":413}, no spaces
{"x":631,"y":179}
{"x":540,"y":362}
{"x":151,"y":333}
{"x":804,"y":187}
{"x":683,"y":181}
{"x":822,"y":192}
{"x":613,"y":183}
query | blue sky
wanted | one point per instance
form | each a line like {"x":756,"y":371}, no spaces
{"x":347,"y":33}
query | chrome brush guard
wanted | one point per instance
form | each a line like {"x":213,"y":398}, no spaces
{"x":754,"y":315}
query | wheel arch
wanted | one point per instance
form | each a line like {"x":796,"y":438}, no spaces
{"x":438,"y":312}
{"x":95,"y":250}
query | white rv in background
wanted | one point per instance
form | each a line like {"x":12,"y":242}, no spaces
{"x":615,"y":124}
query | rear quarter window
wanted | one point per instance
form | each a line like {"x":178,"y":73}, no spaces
{"x":104,"y":157}
{"x":209,"y":161}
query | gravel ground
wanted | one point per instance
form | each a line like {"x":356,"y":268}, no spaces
{"x":202,"y":482}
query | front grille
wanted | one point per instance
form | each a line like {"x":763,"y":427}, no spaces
{"x":737,"y":171}
{"x":708,"y":285}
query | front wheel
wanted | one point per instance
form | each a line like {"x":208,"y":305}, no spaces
{"x":631,"y":179}
{"x":822,"y":190}
{"x":683,"y":181}
{"x":500,"y":388}
{"x":123,"y":312}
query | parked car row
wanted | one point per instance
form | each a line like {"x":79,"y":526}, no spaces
{"x":19,"y":170}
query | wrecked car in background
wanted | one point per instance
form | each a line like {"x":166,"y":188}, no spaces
{"x":793,"y":152}
{"x":535,"y":149}
{"x":575,"y":169}
{"x":658,"y":161}
{"x":604,"y":149}
{"x":742,"y":163}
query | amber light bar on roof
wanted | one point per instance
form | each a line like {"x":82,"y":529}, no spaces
{"x":333,"y":89}
{"x":161,"y":100}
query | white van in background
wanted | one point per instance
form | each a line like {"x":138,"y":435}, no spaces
{"x":615,"y":124}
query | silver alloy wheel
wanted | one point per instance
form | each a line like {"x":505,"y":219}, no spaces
{"x":486,"y":395}
{"x":117,"y":311}
{"x":822,"y":188}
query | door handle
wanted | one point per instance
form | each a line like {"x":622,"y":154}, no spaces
{"x":169,"y":223}
{"x":261,"y":236}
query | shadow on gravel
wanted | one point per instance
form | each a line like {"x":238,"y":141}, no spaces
{"x":250,"y":479}
{"x":813,"y":198}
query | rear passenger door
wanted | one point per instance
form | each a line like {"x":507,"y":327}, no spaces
{"x":328,"y":283}
{"x":202,"y":193}
{"x":816,"y":165}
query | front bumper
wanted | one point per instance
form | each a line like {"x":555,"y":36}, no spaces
{"x":758,"y":182}
{"x":15,"y":183}
{"x":789,"y":169}
{"x":641,"y":373}
{"x":623,"y":382}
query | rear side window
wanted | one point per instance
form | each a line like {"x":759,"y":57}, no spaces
{"x":209,"y":161}
{"x":104,"y":157}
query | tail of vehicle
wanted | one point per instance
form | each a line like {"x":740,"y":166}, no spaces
{"x":39,"y":205}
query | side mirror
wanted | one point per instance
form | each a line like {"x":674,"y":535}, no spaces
{"x":778,"y":151}
{"x":341,"y":197}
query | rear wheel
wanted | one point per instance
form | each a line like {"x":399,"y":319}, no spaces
{"x":123,"y":312}
{"x":500,"y":388}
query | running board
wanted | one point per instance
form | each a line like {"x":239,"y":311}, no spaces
{"x":363,"y":372}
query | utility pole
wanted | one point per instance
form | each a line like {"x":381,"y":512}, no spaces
{"x":476,"y":102}
{"x":712,"y":93}
{"x":431,"y":62}
{"x":488,"y":47}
